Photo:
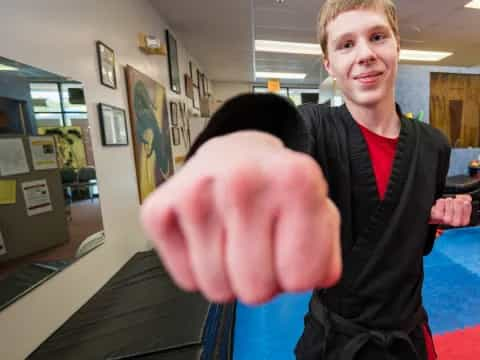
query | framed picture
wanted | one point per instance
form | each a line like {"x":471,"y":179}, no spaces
{"x":106,"y":64}
{"x":188,"y":87}
{"x":204,"y":86}
{"x":176,"y":135}
{"x":174,"y":113}
{"x":173,"y":71}
{"x":194,"y":74}
{"x":196,"y":98}
{"x":199,"y":81}
{"x":150,"y":131}
{"x":113,"y":125}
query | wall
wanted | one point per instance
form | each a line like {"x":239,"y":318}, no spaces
{"x":59,"y":36}
{"x":413,"y":95}
{"x":226,"y":90}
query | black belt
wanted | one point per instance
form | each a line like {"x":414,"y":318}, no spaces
{"x":361,"y":336}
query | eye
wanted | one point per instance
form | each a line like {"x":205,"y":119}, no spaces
{"x":346,"y":45}
{"x":378,"y":37}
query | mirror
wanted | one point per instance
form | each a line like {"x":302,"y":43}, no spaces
{"x":49,"y":202}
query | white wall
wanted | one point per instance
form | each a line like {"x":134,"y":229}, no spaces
{"x":59,"y":36}
{"x":226,"y":90}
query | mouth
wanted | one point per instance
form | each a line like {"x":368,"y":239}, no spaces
{"x":368,"y":77}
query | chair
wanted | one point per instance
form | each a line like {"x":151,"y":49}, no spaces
{"x":87,"y":178}
{"x":69,"y":178}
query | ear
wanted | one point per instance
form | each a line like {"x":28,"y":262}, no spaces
{"x":327,"y":65}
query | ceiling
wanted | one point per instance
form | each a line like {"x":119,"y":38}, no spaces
{"x":220,"y":33}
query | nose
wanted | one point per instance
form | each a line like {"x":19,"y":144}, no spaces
{"x":366,"y":55}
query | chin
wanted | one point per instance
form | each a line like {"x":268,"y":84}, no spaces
{"x":369,"y":98}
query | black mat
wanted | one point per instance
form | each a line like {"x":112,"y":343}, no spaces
{"x":139,"y":311}
{"x":23,"y":279}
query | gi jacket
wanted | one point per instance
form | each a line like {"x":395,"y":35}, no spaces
{"x":383,"y":242}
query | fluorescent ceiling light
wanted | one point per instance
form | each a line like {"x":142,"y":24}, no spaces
{"x":288,"y":47}
{"x":274,"y":75}
{"x":417,"y":55}
{"x":475,"y":4}
{"x":314,"y":49}
{"x":7,"y":68}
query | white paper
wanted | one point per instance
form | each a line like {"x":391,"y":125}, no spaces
{"x":3,"y":249}
{"x":44,"y":153}
{"x":12,"y":157}
{"x":37,"y":197}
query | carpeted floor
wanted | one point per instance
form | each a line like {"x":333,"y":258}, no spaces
{"x":451,"y":296}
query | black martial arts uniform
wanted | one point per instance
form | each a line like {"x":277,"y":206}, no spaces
{"x":375,"y":311}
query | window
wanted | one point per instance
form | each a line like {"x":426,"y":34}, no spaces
{"x":58,"y":104}
{"x":298,"y":96}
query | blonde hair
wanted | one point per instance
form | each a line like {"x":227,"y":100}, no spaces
{"x":332,"y":8}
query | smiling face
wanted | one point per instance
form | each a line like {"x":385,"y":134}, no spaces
{"x":363,"y":56}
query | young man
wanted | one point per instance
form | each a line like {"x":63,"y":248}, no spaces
{"x":282,"y":204}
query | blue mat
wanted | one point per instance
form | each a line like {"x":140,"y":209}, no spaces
{"x":451,"y":296}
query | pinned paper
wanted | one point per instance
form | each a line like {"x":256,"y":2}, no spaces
{"x":12,"y":157}
{"x":44,"y":153}
{"x":273,"y":85}
{"x":37,"y":197}
{"x":8,"y":192}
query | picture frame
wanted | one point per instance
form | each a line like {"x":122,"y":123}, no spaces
{"x":113,"y":125}
{"x":204,"y":86}
{"x":188,"y":87}
{"x":173,"y":69}
{"x":173,"y":113}
{"x":107,"y":65}
{"x":207,"y":90}
{"x":175,"y":135}
{"x":194,"y":74}
{"x":196,"y":98}
{"x":199,"y":81}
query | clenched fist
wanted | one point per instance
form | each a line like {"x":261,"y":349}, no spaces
{"x":452,"y":211}
{"x":246,"y":218}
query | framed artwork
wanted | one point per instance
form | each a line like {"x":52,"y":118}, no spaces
{"x":174,"y":113}
{"x":199,"y":81}
{"x":150,"y":131}
{"x":113,"y":125}
{"x":188,"y":87}
{"x":176,"y":135}
{"x":204,"y":86}
{"x":106,"y":64}
{"x":196,"y":98}
{"x":173,"y":71}
{"x":194,"y":74}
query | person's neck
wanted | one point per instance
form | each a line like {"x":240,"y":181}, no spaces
{"x":380,"y":118}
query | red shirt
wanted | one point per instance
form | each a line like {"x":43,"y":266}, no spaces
{"x":382,"y":154}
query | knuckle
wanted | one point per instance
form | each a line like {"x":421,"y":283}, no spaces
{"x":196,"y":204}
{"x":302,"y":178}
{"x":241,"y":187}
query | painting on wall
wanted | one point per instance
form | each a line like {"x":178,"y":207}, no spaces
{"x":70,"y":145}
{"x":173,"y":71}
{"x":150,"y":131}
